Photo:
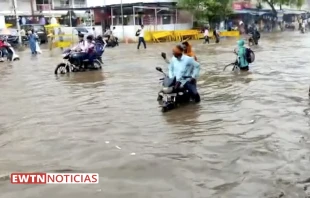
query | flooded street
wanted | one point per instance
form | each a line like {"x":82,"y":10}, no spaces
{"x":248,"y":138}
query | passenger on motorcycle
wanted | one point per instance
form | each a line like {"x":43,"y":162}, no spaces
{"x":181,"y":66}
{"x":90,"y":49}
{"x":101,"y":41}
{"x":188,"y":49}
{"x":3,"y":51}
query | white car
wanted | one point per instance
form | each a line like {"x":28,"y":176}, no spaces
{"x":84,"y":30}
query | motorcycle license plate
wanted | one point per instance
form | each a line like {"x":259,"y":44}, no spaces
{"x":168,"y":97}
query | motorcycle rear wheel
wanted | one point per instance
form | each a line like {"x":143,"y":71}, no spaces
{"x":97,"y":64}
{"x":62,"y":68}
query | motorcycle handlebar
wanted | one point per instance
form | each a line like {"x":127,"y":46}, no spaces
{"x":182,"y":76}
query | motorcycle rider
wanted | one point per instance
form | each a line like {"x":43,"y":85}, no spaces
{"x":81,"y":46}
{"x":255,"y":33}
{"x":108,"y":33}
{"x":182,"y":66}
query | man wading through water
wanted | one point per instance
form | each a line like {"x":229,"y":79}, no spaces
{"x":140,"y":34}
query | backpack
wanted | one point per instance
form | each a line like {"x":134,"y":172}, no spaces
{"x":99,"y":48}
{"x":249,"y":55}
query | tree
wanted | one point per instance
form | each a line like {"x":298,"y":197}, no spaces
{"x":207,"y":10}
{"x":273,"y":3}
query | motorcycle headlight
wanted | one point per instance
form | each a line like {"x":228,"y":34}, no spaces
{"x":167,"y":90}
{"x":64,"y":55}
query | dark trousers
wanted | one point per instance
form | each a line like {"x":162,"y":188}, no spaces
{"x":3,"y":52}
{"x":206,"y":39}
{"x":192,"y":89}
{"x":91,"y":57}
{"x":141,"y":40}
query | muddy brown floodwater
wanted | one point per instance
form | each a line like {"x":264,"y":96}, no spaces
{"x":248,"y":138}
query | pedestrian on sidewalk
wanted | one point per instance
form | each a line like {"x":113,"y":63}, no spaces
{"x":140,"y":34}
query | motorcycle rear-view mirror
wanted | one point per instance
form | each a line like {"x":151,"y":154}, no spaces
{"x":159,"y":69}
{"x":164,"y":55}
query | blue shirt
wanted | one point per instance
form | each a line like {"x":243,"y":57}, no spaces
{"x":185,"y":66}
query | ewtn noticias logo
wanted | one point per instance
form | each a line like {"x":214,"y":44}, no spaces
{"x":54,"y":178}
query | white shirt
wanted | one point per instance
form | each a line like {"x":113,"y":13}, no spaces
{"x":94,"y":33}
{"x":206,"y":32}
{"x":141,"y":33}
{"x":240,"y":22}
{"x":82,"y":45}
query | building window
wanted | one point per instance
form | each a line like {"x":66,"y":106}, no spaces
{"x":115,"y":20}
{"x":42,"y":2}
{"x":126,"y":20}
{"x":166,"y":19}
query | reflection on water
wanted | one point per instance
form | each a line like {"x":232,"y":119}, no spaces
{"x":249,"y":136}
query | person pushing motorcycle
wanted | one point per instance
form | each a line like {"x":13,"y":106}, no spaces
{"x":186,"y":70}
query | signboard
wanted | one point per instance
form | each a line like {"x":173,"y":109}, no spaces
{"x":239,"y":5}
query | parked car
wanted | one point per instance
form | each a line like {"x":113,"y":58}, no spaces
{"x":39,"y":29}
{"x":84,"y":30}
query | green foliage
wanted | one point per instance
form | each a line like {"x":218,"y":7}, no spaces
{"x":207,"y":10}
{"x":272,"y":3}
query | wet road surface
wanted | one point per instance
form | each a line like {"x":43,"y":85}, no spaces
{"x":249,"y":136}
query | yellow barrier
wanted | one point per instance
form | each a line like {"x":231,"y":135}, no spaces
{"x":166,"y":35}
{"x":180,"y":34}
{"x":64,"y":41}
{"x":230,"y":33}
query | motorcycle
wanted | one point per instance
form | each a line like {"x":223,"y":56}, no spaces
{"x":111,"y":41}
{"x":170,"y":97}
{"x":12,"y":56}
{"x":13,"y":40}
{"x":302,"y":30}
{"x":253,"y":40}
{"x":75,"y":62}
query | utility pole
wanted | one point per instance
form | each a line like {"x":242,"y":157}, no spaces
{"x":122,"y":13}
{"x":17,"y":21}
